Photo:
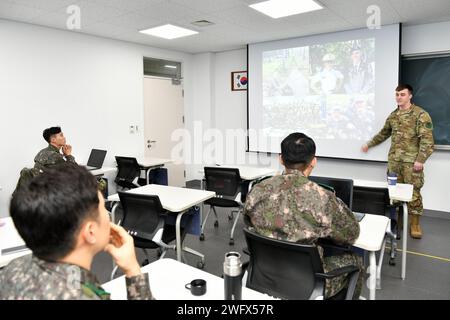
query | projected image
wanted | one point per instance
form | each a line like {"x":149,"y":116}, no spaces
{"x":325,"y":90}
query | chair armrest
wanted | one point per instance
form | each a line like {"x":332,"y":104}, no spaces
{"x":338,"y":272}
{"x":328,"y":244}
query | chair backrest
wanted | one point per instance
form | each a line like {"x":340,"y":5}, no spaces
{"x":143,"y":215}
{"x":343,"y":188}
{"x":223,"y":181}
{"x":283,"y":269}
{"x":128,"y":168}
{"x":370,"y":200}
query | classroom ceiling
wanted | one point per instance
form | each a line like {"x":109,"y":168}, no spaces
{"x":235,"y":24}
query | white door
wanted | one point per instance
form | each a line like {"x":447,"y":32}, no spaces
{"x":163,"y":112}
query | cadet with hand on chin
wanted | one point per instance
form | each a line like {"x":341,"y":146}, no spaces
{"x":66,"y":225}
{"x":51,"y":155}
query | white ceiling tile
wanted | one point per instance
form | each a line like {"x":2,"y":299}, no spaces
{"x":414,"y":10}
{"x":12,"y":11}
{"x":168,"y":11}
{"x":209,"y":6}
{"x":104,"y":29}
{"x":134,"y":21}
{"x":348,"y":9}
{"x":128,"y":5}
{"x":94,"y":13}
{"x":44,"y":4}
{"x":52,"y":19}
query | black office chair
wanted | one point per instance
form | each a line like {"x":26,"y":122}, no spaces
{"x":343,"y":188}
{"x":377,"y":201}
{"x":226,"y":183}
{"x":290,"y":270}
{"x":129,"y":173}
{"x":144,"y":220}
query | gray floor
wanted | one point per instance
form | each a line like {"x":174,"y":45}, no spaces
{"x":426,"y":277}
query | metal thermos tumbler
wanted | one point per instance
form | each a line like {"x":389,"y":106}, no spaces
{"x":232,"y":275}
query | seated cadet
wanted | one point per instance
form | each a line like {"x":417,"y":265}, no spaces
{"x":51,"y":155}
{"x":292,"y":208}
{"x":65,"y":225}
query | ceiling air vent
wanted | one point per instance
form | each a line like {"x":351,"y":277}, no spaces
{"x":202,"y":23}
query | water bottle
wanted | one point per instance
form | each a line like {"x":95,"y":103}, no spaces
{"x":232,"y":275}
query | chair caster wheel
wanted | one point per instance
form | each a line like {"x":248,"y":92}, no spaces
{"x":146,"y":262}
{"x":202,"y":237}
{"x":231,"y":243}
{"x":399,"y":237}
{"x":230,"y":217}
{"x":216,"y":224}
{"x":392,"y":262}
{"x":200,"y":264}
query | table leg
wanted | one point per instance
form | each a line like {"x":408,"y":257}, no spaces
{"x":373,"y":275}
{"x":178,"y":234}
{"x":113,"y":212}
{"x":405,"y":239}
{"x":147,"y":175}
{"x":113,"y":220}
{"x":380,"y":262}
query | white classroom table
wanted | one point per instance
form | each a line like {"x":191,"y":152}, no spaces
{"x":400,"y":192}
{"x":148,"y":163}
{"x":10,"y":238}
{"x":173,"y":199}
{"x":168,"y":277}
{"x":372,"y":238}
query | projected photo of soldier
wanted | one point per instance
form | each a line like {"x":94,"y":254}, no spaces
{"x":360,"y":74}
{"x":328,"y":80}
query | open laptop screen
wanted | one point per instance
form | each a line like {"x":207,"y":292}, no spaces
{"x":96,"y":158}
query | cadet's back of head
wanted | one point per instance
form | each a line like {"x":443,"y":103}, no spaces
{"x":297,"y":150}
{"x":49,"y":209}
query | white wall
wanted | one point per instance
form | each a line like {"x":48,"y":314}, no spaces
{"x":90,"y":86}
{"x":230,"y":112}
{"x":201,"y":111}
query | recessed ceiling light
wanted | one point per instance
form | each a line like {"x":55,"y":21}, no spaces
{"x":283,"y":8}
{"x":170,"y":66}
{"x":169,"y":31}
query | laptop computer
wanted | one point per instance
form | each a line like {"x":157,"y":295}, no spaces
{"x":96,"y":159}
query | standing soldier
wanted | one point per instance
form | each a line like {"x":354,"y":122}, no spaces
{"x":290,"y":207}
{"x":412,"y":143}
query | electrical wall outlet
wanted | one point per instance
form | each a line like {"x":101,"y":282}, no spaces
{"x":132,"y":129}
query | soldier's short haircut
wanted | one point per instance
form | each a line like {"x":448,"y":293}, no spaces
{"x":49,"y":210}
{"x":403,"y":86}
{"x":297,"y":149}
{"x":47,"y":134}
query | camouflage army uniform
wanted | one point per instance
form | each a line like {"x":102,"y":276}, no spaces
{"x":29,"y":277}
{"x":290,"y":207}
{"x":411,"y":134}
{"x":50,"y":156}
